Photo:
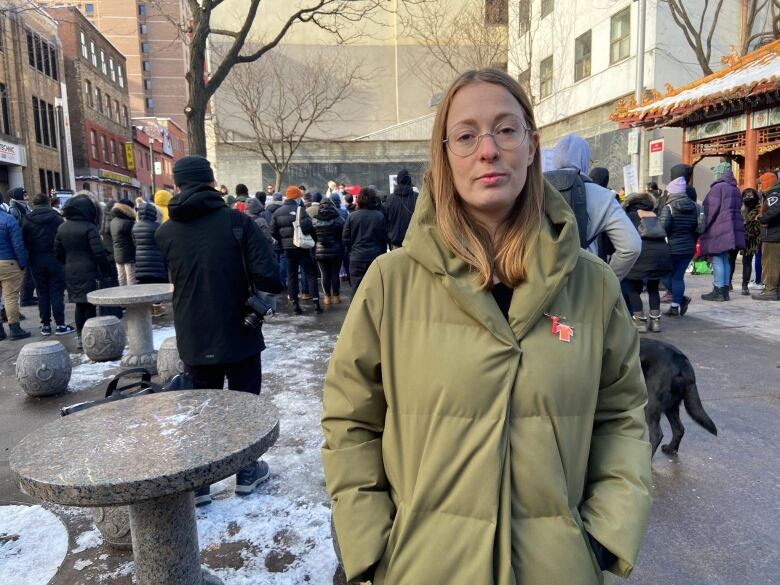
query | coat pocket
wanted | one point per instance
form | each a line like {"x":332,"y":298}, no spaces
{"x":586,"y":542}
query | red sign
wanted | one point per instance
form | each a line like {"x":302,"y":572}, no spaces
{"x":657,"y":146}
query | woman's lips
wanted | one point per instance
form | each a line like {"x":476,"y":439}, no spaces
{"x":491,"y":180}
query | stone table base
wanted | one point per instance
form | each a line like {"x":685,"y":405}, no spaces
{"x":165,"y":542}
{"x":140,"y":346}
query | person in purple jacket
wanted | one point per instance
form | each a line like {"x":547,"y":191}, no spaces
{"x":724,"y":229}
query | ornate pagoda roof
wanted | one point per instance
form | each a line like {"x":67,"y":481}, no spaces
{"x":754,"y":74}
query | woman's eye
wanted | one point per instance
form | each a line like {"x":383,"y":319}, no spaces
{"x":507,"y":131}
{"x":465,"y":137}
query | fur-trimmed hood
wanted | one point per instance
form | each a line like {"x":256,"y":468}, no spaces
{"x":123,"y":211}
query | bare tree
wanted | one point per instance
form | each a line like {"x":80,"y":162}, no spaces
{"x":455,"y":40}
{"x":280,"y":101}
{"x":334,"y":16}
{"x":698,"y":34}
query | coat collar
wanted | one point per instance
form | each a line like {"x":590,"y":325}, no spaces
{"x":554,"y":254}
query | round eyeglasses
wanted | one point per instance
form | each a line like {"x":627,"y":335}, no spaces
{"x":464,"y":143}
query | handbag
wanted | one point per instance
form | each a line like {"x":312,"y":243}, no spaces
{"x":651,"y":229}
{"x":301,"y":240}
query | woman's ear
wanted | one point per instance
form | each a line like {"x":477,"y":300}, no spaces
{"x":533,"y":148}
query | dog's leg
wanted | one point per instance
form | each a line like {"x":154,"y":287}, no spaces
{"x":678,"y":430}
{"x":653,"y":418}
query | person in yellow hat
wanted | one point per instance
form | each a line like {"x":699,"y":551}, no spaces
{"x":161,"y":199}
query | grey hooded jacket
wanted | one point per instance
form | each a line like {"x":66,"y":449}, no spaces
{"x":605,"y":215}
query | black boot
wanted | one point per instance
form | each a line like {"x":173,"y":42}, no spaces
{"x":715,"y":295}
{"x":724,"y":291}
{"x":297,"y":307}
{"x":17,"y":332}
{"x":2,"y":331}
{"x":317,"y":307}
{"x":745,"y":290}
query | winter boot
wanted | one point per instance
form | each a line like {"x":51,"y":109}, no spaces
{"x":640,"y":322}
{"x":724,"y":291}
{"x":17,"y":332}
{"x":325,"y":300}
{"x":3,"y":316}
{"x":745,"y":290}
{"x":297,"y":307}
{"x":654,"y":324}
{"x":335,"y":299}
{"x":317,"y":307}
{"x":684,"y":305}
{"x":2,"y":331}
{"x":715,"y":295}
{"x":672,"y":311}
{"x":766,"y":295}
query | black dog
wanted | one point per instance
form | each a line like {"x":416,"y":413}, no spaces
{"x":670,"y":380}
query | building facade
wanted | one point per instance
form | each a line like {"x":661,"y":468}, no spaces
{"x":577,"y":59}
{"x":31,"y":115}
{"x":156,"y":56}
{"x":158,"y":144}
{"x":99,"y":107}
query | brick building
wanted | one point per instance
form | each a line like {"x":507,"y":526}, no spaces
{"x":31,"y":117}
{"x":156,"y":56}
{"x":154,"y":164}
{"x":99,"y":107}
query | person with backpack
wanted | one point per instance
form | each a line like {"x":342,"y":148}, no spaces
{"x":601,"y":222}
{"x":679,"y":218}
{"x":242,"y":195}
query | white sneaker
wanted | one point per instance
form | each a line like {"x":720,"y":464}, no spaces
{"x":754,"y":286}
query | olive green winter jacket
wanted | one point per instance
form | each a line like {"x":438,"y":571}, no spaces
{"x":462,"y":448}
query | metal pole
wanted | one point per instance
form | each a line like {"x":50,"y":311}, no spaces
{"x":151,"y":165}
{"x":640,"y":83}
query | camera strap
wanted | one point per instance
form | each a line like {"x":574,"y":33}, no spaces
{"x":238,"y":234}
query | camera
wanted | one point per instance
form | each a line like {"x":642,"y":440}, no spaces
{"x":259,"y":306}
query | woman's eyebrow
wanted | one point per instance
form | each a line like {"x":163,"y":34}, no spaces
{"x":498,"y":118}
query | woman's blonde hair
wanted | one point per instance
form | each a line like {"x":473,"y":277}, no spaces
{"x":466,"y":237}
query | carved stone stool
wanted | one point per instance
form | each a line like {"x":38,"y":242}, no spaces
{"x":43,"y":368}
{"x":168,"y":361}
{"x":103,"y":338}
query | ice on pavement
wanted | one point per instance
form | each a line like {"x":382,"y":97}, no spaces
{"x":33,"y":544}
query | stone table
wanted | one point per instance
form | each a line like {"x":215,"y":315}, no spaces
{"x":149,"y":452}
{"x":137,"y":298}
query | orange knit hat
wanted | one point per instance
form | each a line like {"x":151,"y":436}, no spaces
{"x":293,"y":193}
{"x":766,"y":181}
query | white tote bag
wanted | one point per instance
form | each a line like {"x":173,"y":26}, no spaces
{"x":301,"y":240}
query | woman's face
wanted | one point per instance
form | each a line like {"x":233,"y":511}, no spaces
{"x":490,"y":179}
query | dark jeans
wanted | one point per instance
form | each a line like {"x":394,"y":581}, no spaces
{"x":84,"y":311}
{"x":282,"y":262}
{"x":679,"y":264}
{"x":633,"y":291}
{"x":331,"y":282}
{"x":28,"y":288}
{"x":243,"y":376}
{"x":747,"y":268}
{"x":357,"y":270}
{"x":49,"y":278}
{"x":301,"y":258}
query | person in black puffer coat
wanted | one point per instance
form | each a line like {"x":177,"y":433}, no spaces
{"x":254,"y":209}
{"x":122,"y":222}
{"x":329,"y":251}
{"x":364,"y":236}
{"x":679,"y":217}
{"x":400,"y":207}
{"x":296,"y":258}
{"x":149,"y":262}
{"x":78,"y":245}
{"x":40,"y":229}
{"x":653,"y":264}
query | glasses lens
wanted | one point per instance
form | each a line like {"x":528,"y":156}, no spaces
{"x":509,"y":137}
{"x":463,"y":143}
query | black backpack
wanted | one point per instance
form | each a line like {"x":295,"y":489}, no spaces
{"x":571,"y":184}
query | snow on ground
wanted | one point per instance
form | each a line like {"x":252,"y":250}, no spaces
{"x":33,"y":544}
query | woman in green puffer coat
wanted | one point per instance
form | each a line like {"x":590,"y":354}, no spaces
{"x":484,"y":405}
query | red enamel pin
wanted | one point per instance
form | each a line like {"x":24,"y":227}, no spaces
{"x":564,"y":332}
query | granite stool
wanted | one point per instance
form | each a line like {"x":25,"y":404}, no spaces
{"x":168,"y":361}
{"x":113,"y":522}
{"x":103,"y":338}
{"x":43,"y":368}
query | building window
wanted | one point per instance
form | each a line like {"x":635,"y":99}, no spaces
{"x":93,"y":140}
{"x":52,"y":125}
{"x":143,"y":28}
{"x":147,"y":66}
{"x":582,"y":56}
{"x":524,"y":79}
{"x":49,"y":182}
{"x":145,"y":48}
{"x":30,"y":49}
{"x":42,"y":180}
{"x":524,"y":16}
{"x":116,"y":112}
{"x":149,"y":103}
{"x":103,"y":66}
{"x":111,"y":69}
{"x":93,"y":50}
{"x":109,"y":107}
{"x":125,"y":117}
{"x":120,"y":75}
{"x":53,"y":60}
{"x":99,"y":99}
{"x":104,"y":147}
{"x":496,"y":12}
{"x":37,"y":121}
{"x":142,"y":10}
{"x":113,"y":152}
{"x":147,"y":84}
{"x":84,"y":52}
{"x":5,"y":110}
{"x":620,"y":36}
{"x":548,"y":6}
{"x":546,"y":77}
{"x":89,"y":9}
{"x":88,"y":93}
{"x":57,"y":181}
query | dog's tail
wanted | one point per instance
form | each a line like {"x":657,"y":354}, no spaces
{"x":695,"y":409}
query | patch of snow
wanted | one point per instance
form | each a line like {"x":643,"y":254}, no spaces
{"x":82,"y":564}
{"x":160,"y":335}
{"x":33,"y":544}
{"x":89,"y":374}
{"x":122,"y":571}
{"x":86,"y":540}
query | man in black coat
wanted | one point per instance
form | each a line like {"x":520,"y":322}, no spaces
{"x":400,"y":207}
{"x":296,"y":258}
{"x":39,"y":230}
{"x":211,"y":288}
{"x":770,"y":245}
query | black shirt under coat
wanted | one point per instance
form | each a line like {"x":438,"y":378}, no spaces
{"x":210,"y":287}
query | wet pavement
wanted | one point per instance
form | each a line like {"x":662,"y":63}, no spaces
{"x":716,"y":506}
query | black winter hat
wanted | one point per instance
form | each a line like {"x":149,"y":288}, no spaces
{"x":403,"y":178}
{"x":17,"y":193}
{"x":600,"y":176}
{"x":127,"y":202}
{"x":681,"y":170}
{"x":192,"y":169}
